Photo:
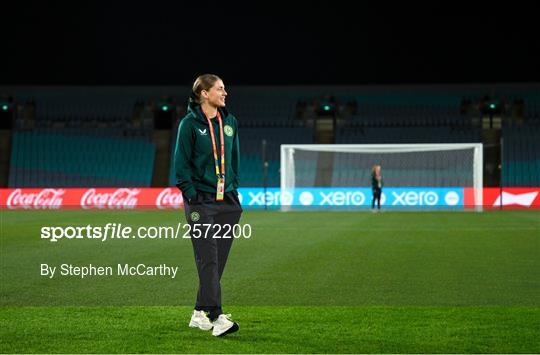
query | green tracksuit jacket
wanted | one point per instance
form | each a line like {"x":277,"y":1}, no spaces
{"x":194,"y":157}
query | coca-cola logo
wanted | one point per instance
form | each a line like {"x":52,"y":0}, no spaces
{"x":44,"y":199}
{"x":169,"y":198}
{"x":123,"y":198}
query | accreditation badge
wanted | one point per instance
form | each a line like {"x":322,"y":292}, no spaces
{"x":220,"y":188}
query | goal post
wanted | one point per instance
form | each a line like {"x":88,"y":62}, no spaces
{"x":413,"y":166}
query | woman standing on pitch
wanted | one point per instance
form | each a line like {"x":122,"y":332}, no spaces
{"x":376,"y":186}
{"x":207,"y":159}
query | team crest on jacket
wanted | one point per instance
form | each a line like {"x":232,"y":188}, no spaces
{"x":228,"y":130}
{"x":195,"y":216}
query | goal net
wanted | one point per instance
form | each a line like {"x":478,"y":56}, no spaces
{"x":415,"y":176}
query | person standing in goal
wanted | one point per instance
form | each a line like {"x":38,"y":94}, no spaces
{"x":376,"y":186}
{"x":207,"y":164}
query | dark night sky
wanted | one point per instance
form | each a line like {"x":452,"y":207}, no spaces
{"x":171,"y":44}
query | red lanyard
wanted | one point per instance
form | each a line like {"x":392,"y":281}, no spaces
{"x":222,"y":143}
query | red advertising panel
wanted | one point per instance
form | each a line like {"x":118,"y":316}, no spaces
{"x":506,"y":198}
{"x":91,"y":198}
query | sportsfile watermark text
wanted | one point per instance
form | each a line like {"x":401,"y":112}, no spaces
{"x":120,"y":231}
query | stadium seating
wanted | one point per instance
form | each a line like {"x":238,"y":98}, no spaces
{"x":521,"y":156}
{"x":91,"y":122}
{"x":41,"y":159}
{"x":262,"y":108}
{"x":375,"y":135}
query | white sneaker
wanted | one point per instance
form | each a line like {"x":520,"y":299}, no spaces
{"x":200,"y":320}
{"x":224,"y":325}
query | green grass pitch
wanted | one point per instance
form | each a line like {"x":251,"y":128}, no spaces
{"x":309,"y":282}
